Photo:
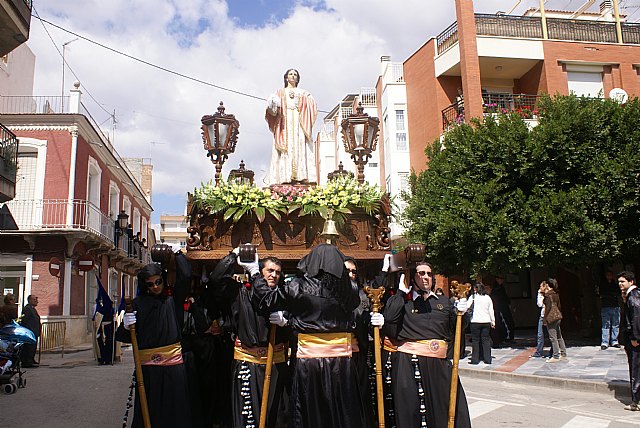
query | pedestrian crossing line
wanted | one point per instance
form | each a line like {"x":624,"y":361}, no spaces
{"x":488,"y":400}
{"x":586,"y":422}
{"x":480,"y":408}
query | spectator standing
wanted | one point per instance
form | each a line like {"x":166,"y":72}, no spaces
{"x":30,"y":320}
{"x":482,"y":321}
{"x":540,"y":337}
{"x":552,"y":319}
{"x":627,"y":284}
{"x":609,"y":311}
{"x":502,"y":305}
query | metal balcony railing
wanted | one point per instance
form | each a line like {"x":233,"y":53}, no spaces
{"x":8,"y":162}
{"x":523,"y":104}
{"x":526,"y":105}
{"x":368,"y":97}
{"x":530,"y":27}
{"x":32,"y":105}
{"x":65,"y":214}
{"x":452,"y":115}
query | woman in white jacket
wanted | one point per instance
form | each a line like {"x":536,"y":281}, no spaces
{"x":482,"y":321}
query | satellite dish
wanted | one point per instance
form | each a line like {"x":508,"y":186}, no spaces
{"x":619,"y":95}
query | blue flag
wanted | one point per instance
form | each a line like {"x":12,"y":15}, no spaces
{"x":104,"y":304}
{"x":122,"y":306}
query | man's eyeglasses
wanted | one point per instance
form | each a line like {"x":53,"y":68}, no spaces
{"x":353,"y":271}
{"x":157,"y":282}
{"x":424,"y":272}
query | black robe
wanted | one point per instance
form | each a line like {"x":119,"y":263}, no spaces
{"x":434,"y":318}
{"x":251,"y":327}
{"x":157,"y":325}
{"x":325,"y":391}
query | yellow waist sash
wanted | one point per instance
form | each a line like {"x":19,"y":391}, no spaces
{"x":326,"y":345}
{"x":434,"y":348}
{"x":169,"y":355}
{"x":258,"y":354}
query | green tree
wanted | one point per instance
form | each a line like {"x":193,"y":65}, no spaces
{"x":501,"y":196}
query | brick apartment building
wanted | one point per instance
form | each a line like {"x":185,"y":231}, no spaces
{"x":501,"y":63}
{"x":72,"y":188}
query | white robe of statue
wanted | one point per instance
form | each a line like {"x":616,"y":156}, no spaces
{"x":291,"y":113}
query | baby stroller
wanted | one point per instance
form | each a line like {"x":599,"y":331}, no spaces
{"x":11,"y":367}
{"x":12,"y":337}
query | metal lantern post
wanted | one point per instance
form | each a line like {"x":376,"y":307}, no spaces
{"x":360,"y":136}
{"x":120,"y":225}
{"x":220,"y":135}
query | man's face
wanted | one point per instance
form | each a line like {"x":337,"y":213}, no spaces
{"x":351,"y":268}
{"x":424,"y":278}
{"x":624,"y":284}
{"x":499,"y":280}
{"x":609,"y":276}
{"x":271,"y":273}
{"x":155,"y":285}
{"x":33,"y":301}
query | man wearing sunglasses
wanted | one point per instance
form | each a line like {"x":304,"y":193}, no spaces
{"x":158,"y":332}
{"x":419,"y":327}
{"x":250,"y":330}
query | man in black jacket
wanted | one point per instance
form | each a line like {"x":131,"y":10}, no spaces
{"x":30,"y":320}
{"x":627,"y":284}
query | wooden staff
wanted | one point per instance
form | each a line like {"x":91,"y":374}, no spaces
{"x":458,"y":290}
{"x":375,"y":294}
{"x":140,"y":379}
{"x":267,"y":377}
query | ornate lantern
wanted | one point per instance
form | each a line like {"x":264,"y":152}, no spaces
{"x":360,"y":136}
{"x":241,"y":175}
{"x":220,"y":135}
{"x":339,"y":172}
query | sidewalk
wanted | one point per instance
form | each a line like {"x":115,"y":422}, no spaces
{"x":588,"y":368}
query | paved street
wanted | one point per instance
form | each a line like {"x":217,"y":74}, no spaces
{"x":75,"y":392}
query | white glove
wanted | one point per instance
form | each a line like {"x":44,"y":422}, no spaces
{"x":386,"y":262}
{"x":129,"y":319}
{"x":236,"y":251}
{"x":251,"y":267}
{"x":278,"y":319}
{"x":461,"y":306}
{"x":403,"y":287}
{"x":377,"y":319}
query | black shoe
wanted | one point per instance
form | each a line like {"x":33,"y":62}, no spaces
{"x":617,"y":345}
{"x":603,"y":347}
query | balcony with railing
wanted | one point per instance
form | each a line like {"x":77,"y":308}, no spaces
{"x":56,"y":215}
{"x":526,"y":105}
{"x":530,"y":27}
{"x":8,"y":163}
{"x":33,"y":105}
{"x":15,"y":21}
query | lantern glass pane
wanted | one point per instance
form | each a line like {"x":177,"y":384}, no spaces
{"x":358,"y":132}
{"x":211,"y":130}
{"x":223,"y":128}
{"x":370,"y":136}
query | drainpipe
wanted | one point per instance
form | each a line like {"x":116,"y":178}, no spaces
{"x":616,"y":12}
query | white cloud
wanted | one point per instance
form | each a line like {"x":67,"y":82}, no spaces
{"x":336,"y":49}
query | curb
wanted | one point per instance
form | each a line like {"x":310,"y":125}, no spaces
{"x":616,"y":389}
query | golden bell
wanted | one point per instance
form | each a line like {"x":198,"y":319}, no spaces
{"x":329,"y":231}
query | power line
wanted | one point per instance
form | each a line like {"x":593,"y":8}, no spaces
{"x":159,"y":67}
{"x":66,"y":63}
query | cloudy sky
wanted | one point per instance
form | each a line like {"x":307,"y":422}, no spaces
{"x":242,"y":45}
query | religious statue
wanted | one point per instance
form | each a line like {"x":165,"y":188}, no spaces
{"x":291,"y":113}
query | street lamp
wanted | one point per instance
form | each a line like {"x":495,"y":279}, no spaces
{"x":360,"y":136}
{"x":64,"y":46}
{"x":121,"y":225}
{"x":220,"y":135}
{"x":339,"y":173}
{"x":241,"y":175}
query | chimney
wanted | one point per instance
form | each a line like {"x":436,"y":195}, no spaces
{"x":606,"y":10}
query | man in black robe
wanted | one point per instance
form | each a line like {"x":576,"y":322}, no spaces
{"x":158,"y":332}
{"x":250,"y":328}
{"x":31,"y":320}
{"x":631,"y":334}
{"x":325,"y":390}
{"x":420,"y":326}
